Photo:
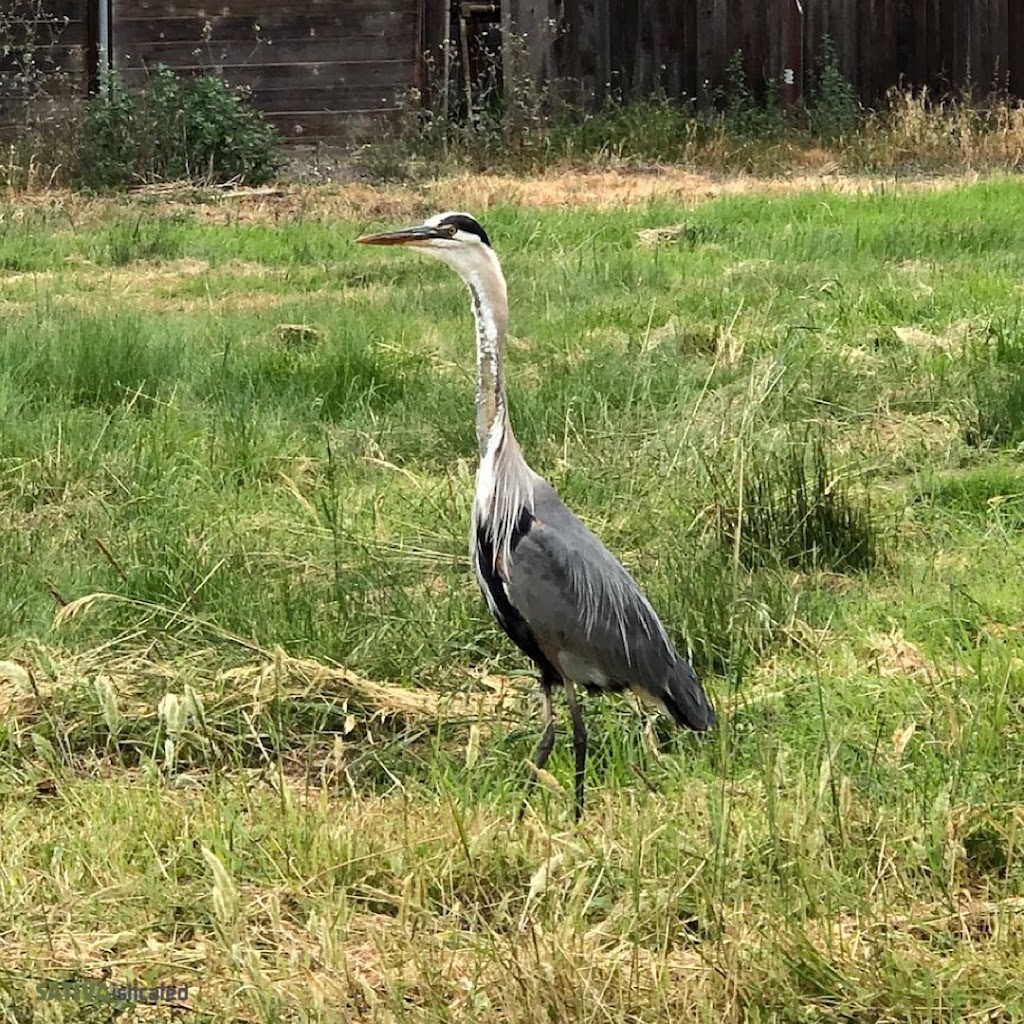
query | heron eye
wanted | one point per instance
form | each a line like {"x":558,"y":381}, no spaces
{"x":450,"y":230}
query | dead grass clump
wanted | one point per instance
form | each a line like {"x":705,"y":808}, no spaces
{"x":134,"y":673}
{"x":895,"y":655}
{"x":17,"y":689}
{"x":899,"y":443}
{"x":920,"y":130}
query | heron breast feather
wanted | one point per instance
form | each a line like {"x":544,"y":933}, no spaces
{"x":577,"y":668}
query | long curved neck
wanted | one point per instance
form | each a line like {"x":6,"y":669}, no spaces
{"x":490,"y":309}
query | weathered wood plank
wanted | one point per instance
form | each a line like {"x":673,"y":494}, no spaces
{"x":747,"y":34}
{"x":913,"y":29}
{"x":849,"y":41}
{"x":672,"y":58}
{"x":354,"y":95}
{"x":945,"y":65}
{"x":311,"y":76}
{"x":1015,"y":46}
{"x":53,"y":10}
{"x":529,"y":19}
{"x":345,"y":128}
{"x":45,"y":33}
{"x":276,"y":28}
{"x":996,"y":46}
{"x":47,"y":60}
{"x":875,"y":41}
{"x":712,"y":45}
{"x":602,"y":49}
{"x":73,"y":83}
{"x":934,"y":69}
{"x":689,"y":84}
{"x":722,"y":51}
{"x":260,"y":10}
{"x":334,"y":98}
{"x":215,"y":55}
{"x":50,"y":110}
{"x":704,"y":44}
{"x":959,"y":52}
{"x":981,"y":44}
{"x":321,"y":75}
{"x":774,"y":27}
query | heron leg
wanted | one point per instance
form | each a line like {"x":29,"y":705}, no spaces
{"x":547,"y":737}
{"x":579,"y":742}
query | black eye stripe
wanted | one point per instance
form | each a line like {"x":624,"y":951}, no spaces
{"x":460,"y":222}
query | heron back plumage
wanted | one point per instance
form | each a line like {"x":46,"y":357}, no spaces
{"x":584,"y":612}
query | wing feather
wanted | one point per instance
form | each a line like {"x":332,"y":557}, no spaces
{"x":578,"y":600}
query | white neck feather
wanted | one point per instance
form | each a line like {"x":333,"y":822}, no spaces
{"x":505,"y":482}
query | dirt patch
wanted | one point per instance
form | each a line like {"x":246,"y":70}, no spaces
{"x":949,"y":341}
{"x":903,"y":437}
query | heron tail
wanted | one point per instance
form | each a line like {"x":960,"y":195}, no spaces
{"x":685,"y":700}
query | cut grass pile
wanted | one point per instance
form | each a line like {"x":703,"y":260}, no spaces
{"x":273,"y":745}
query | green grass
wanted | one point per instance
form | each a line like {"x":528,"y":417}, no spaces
{"x":273,"y":745}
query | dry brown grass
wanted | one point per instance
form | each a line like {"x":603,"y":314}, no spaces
{"x":367,"y":203}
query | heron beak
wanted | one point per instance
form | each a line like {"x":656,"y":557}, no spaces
{"x":404,"y":236}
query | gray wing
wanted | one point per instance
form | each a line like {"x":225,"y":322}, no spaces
{"x":591,"y":618}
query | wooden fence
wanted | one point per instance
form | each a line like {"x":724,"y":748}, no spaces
{"x":333,"y":70}
{"x":683,"y":47}
{"x":319,"y":69}
{"x":44,"y":59}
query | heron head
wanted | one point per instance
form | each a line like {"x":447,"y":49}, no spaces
{"x":455,"y":238}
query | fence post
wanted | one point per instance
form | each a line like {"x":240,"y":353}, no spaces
{"x":98,"y":33}
{"x":603,"y":25}
{"x":793,"y":72}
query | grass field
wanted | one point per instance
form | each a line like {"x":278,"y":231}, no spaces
{"x":259,"y":735}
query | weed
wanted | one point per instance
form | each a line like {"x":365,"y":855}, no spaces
{"x":993,"y":413}
{"x":35,"y":92}
{"x":832,"y":108}
{"x":745,"y":116}
{"x":916,"y":130}
{"x":789,"y":508}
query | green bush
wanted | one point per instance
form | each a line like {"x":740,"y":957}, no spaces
{"x":745,"y":115}
{"x":832,"y":107}
{"x":175,"y":128}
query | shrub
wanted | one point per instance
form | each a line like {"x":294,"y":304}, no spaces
{"x":196,"y":129}
{"x":832,"y":108}
{"x":745,"y":115}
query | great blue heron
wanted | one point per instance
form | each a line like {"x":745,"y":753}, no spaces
{"x":555,"y":589}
